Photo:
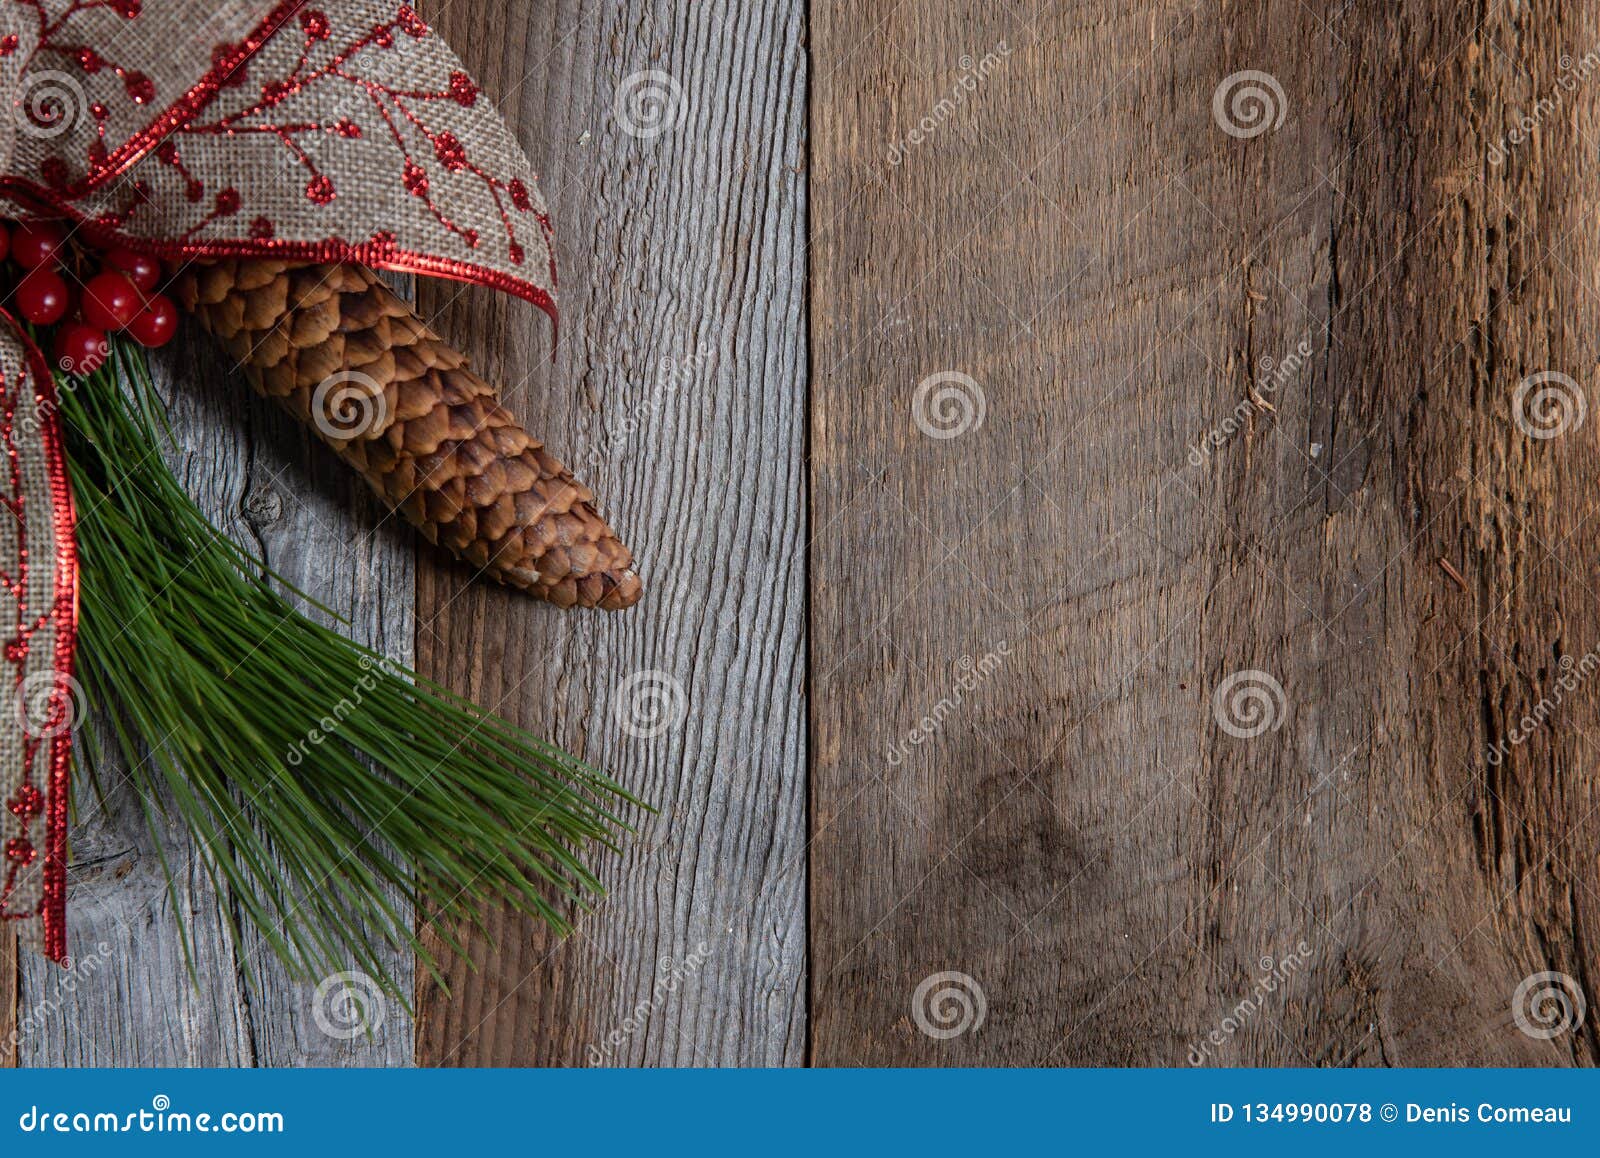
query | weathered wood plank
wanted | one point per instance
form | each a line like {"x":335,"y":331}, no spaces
{"x":8,"y":997}
{"x":1069,"y":825}
{"x":130,"y":1000}
{"x":678,"y":393}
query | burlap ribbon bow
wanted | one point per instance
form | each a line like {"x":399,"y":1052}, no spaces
{"x":334,"y":131}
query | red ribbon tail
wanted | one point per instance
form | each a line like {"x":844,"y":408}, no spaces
{"x":40,"y":641}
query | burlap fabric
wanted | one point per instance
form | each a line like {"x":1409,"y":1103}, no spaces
{"x":335,"y":130}
{"x":41,"y":702}
{"x":341,"y":131}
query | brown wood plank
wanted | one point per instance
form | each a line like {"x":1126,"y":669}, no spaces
{"x":8,"y":997}
{"x":1068,"y":824}
{"x":677,"y":392}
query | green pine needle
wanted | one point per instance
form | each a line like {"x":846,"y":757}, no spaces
{"x":319,"y":781}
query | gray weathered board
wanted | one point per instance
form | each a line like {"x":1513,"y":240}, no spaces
{"x":678,"y":393}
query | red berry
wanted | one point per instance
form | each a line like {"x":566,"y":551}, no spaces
{"x":143,"y":270}
{"x":156,"y":323}
{"x":81,"y":349}
{"x":36,"y":243}
{"x":42,"y":297}
{"x":111,"y":301}
{"x":5,"y":242}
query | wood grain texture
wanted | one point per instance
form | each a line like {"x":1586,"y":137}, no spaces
{"x":8,"y":997}
{"x":677,"y":392}
{"x":1076,"y":832}
{"x":129,"y":998}
{"x":1250,"y":429}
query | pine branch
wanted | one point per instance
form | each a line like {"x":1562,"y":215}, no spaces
{"x":318,"y":779}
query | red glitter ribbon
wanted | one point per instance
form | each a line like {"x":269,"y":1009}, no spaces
{"x":333,"y":131}
{"x":39,"y":618}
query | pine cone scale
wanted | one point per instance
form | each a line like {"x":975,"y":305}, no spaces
{"x":342,"y":353}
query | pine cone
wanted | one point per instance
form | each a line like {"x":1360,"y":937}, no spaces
{"x":346,"y":356}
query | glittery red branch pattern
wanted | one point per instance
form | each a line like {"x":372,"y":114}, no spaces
{"x":228,"y":61}
{"x":30,"y":436}
{"x":340,"y":131}
{"x":379,"y":253}
{"x":328,"y":130}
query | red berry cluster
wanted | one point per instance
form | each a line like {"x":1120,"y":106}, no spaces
{"x":118,"y":292}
